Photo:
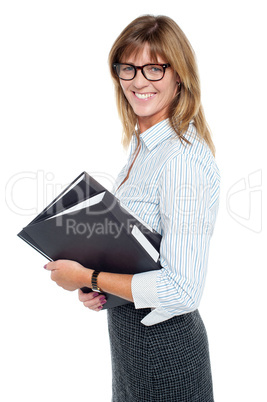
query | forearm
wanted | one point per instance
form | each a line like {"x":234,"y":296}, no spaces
{"x":71,"y":275}
{"x":116,"y":284}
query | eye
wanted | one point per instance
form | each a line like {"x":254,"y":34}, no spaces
{"x":127,"y":68}
{"x":156,"y":69}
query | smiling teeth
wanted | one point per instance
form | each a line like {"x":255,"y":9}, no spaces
{"x":143,"y":96}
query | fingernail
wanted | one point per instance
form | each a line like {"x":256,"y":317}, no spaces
{"x":100,"y":307}
{"x":45,"y":266}
{"x":95,"y":294}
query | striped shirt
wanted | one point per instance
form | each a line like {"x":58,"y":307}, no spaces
{"x":174,"y":188}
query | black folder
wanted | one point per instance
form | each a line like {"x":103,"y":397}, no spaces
{"x":86,"y":223}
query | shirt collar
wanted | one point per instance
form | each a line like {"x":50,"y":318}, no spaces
{"x":157,"y":134}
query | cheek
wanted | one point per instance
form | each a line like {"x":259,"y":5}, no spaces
{"x":124,"y":86}
{"x":125,"y":89}
{"x":172,"y":91}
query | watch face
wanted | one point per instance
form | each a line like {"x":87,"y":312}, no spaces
{"x":95,"y":288}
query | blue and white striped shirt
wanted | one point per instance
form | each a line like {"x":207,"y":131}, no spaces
{"x":174,"y":188}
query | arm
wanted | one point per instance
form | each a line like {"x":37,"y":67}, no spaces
{"x":188,"y":200}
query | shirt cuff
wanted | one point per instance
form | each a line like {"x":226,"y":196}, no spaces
{"x":144,"y":290}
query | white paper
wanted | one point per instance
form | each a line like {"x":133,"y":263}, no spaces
{"x":145,"y":243}
{"x":96,"y":199}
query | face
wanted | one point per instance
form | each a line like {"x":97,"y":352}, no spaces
{"x":150,"y":100}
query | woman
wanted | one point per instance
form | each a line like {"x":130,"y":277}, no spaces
{"x":158,"y":343}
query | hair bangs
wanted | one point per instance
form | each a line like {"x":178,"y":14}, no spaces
{"x":133,"y":49}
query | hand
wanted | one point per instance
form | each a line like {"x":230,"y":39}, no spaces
{"x":70,"y":275}
{"x":93,"y":300}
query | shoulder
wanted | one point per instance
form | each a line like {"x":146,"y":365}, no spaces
{"x":194,"y":156}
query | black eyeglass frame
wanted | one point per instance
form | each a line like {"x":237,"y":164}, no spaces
{"x":164,"y":66}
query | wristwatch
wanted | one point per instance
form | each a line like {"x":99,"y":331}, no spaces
{"x":95,"y":287}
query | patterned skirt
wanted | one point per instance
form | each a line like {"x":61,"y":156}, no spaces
{"x":168,"y":361}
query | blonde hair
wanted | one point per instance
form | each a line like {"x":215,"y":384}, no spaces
{"x":167,"y":40}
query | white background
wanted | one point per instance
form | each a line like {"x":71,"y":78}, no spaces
{"x":58,"y":118}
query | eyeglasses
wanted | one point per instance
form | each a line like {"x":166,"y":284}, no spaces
{"x":152,"y":72}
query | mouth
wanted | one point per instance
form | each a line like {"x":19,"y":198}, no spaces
{"x":144,"y":96}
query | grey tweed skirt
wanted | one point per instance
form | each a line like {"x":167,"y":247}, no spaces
{"x":168,"y":361}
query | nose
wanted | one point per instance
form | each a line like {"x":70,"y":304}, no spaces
{"x":139,"y":80}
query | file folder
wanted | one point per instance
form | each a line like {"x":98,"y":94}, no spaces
{"x":88,"y":224}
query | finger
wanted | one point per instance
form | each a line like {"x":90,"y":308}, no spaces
{"x":49,"y":266}
{"x":96,"y":303}
{"x":87,"y":296}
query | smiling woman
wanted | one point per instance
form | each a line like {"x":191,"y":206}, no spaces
{"x":159,"y":346}
{"x":158,"y":97}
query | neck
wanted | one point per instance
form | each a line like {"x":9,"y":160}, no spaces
{"x":144,"y":123}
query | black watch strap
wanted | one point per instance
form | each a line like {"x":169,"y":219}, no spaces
{"x":95,"y":287}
